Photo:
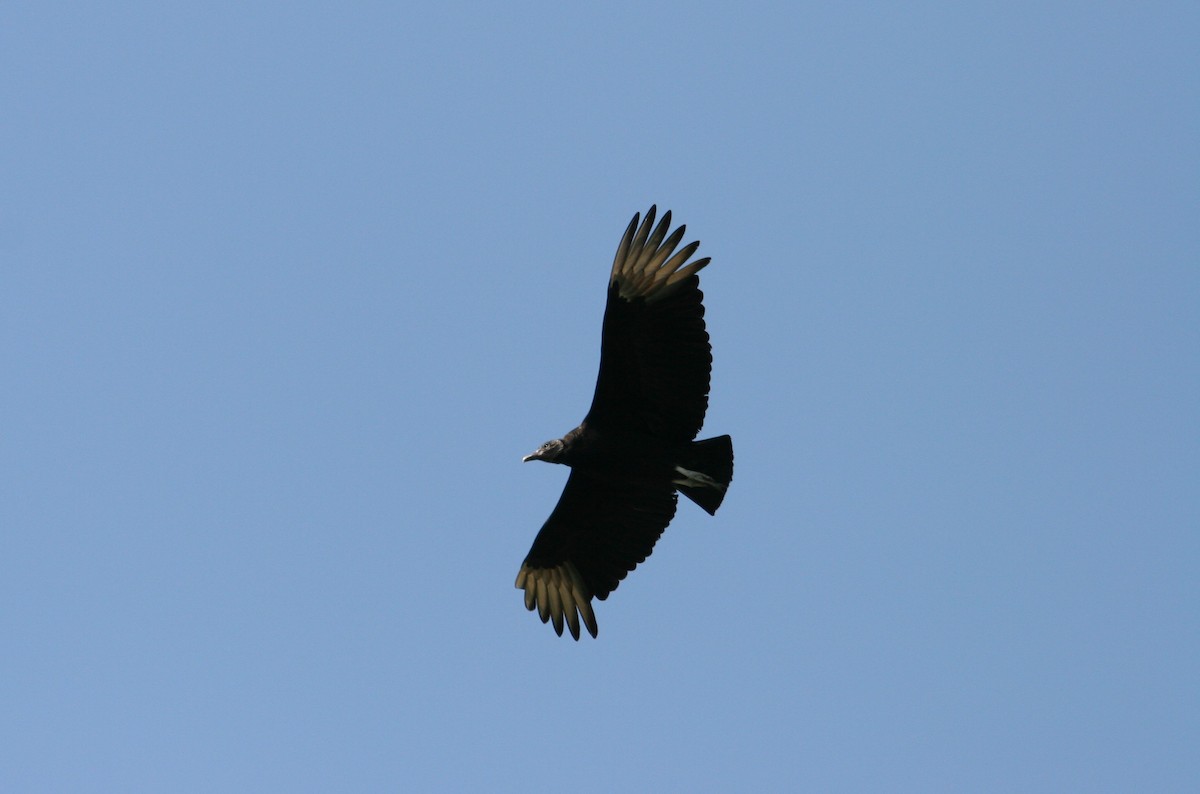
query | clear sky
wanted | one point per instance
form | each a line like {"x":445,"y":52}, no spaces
{"x":288,"y":289}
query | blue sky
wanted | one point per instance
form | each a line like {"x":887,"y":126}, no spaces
{"x":287,"y":290}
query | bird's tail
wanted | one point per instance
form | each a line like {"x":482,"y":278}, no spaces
{"x":706,"y":471}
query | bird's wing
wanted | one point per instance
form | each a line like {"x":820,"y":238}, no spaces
{"x":599,"y":532}
{"x":655,"y":358}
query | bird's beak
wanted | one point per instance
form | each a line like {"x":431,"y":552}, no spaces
{"x":531,"y":456}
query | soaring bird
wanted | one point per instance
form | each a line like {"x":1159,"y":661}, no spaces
{"x":635,"y":450}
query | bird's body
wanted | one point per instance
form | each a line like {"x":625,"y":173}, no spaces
{"x":635,"y":447}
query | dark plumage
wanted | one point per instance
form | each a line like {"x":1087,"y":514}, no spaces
{"x":635,"y":447}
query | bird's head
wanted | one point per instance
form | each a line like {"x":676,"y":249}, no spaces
{"x":549,"y":452}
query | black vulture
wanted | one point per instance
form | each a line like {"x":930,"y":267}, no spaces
{"x":635,"y":448}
